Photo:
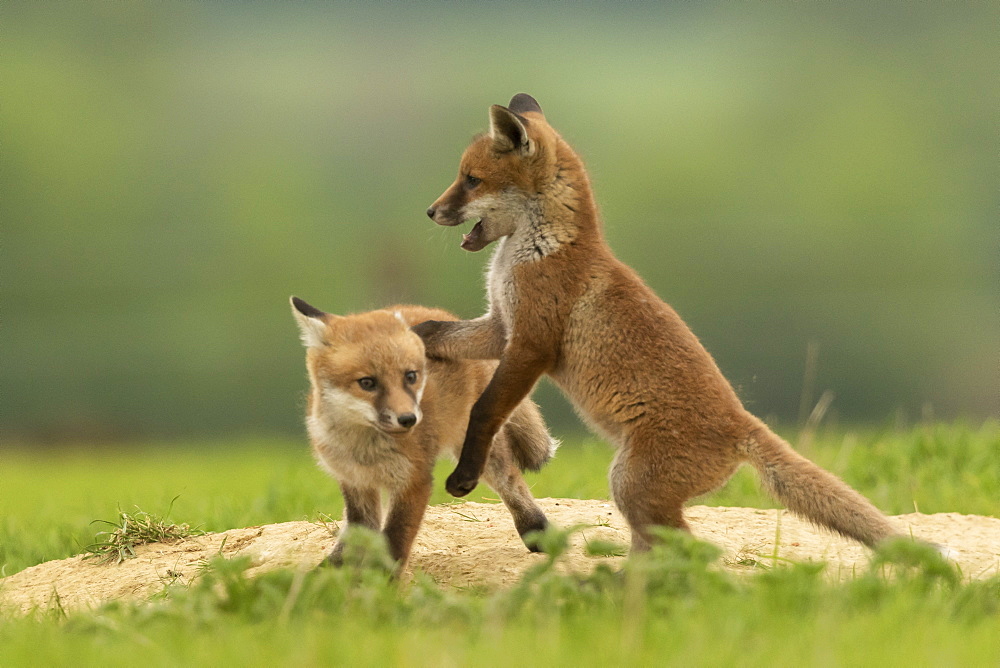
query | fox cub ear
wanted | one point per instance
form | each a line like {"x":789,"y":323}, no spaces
{"x":311,"y":322}
{"x":522,"y":103}
{"x":509,"y":131}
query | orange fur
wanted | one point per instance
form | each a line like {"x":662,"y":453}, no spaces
{"x":380,"y":413}
{"x":561,"y":303}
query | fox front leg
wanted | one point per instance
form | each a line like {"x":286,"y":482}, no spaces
{"x":362,"y":508}
{"x":479,"y":339}
{"x":405,"y":514}
{"x":516,"y":375}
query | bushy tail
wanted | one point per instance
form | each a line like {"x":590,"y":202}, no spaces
{"x":530,"y":442}
{"x":813,"y":493}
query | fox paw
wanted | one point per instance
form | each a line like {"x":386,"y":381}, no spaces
{"x":459,"y":483}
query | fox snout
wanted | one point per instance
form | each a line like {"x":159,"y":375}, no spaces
{"x":444,"y":215}
{"x":394,"y":422}
{"x":448,"y":209}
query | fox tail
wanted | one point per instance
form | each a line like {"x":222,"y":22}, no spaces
{"x":813,"y":493}
{"x":530,"y":442}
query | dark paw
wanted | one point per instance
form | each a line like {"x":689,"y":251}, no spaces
{"x":335,"y":559}
{"x":532,"y":534}
{"x":460,"y":483}
{"x":533,"y":541}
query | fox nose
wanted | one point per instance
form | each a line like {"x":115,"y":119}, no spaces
{"x":430,"y":212}
{"x":407,"y":420}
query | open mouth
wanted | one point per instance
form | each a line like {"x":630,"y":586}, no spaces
{"x":475,"y":239}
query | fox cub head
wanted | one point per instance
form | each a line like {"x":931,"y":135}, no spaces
{"x":507,"y":175}
{"x":367,"y":369}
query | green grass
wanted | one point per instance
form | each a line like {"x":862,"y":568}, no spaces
{"x":133,"y":528}
{"x":672,"y":607}
{"x":675,"y":608}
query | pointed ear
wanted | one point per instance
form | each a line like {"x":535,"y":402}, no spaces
{"x":509,"y":131}
{"x":522,"y":103}
{"x":311,"y":322}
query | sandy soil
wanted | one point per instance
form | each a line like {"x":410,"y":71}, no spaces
{"x":474,"y":544}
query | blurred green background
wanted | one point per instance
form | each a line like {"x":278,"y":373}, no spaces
{"x":785,"y":176}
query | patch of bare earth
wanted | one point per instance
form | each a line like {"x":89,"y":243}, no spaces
{"x":475,"y":545}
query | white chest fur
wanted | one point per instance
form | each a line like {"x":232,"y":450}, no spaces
{"x":534,"y":238}
{"x":358,"y":455}
{"x":500,"y":283}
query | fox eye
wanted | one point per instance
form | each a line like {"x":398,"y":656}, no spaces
{"x":471,"y":181}
{"x":367,"y":383}
{"x":411,"y":377}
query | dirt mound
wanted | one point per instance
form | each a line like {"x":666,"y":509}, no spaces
{"x":474,"y":544}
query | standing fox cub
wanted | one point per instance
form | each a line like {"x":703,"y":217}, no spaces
{"x":380,"y":413}
{"x":561,"y":303}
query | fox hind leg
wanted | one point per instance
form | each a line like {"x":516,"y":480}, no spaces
{"x":655,"y":473}
{"x":645,"y":499}
{"x":504,"y":477}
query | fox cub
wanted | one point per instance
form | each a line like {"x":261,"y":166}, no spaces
{"x":562,"y":304}
{"x":380,"y":413}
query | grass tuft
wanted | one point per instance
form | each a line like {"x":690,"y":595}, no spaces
{"x":130,"y":531}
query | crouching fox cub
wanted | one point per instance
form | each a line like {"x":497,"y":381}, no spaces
{"x":380,"y":413}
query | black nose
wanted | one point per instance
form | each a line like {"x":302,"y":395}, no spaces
{"x":430,"y":213}
{"x":407,"y":420}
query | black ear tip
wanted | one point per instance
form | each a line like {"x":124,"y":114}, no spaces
{"x":523,"y":103}
{"x":306,"y":309}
